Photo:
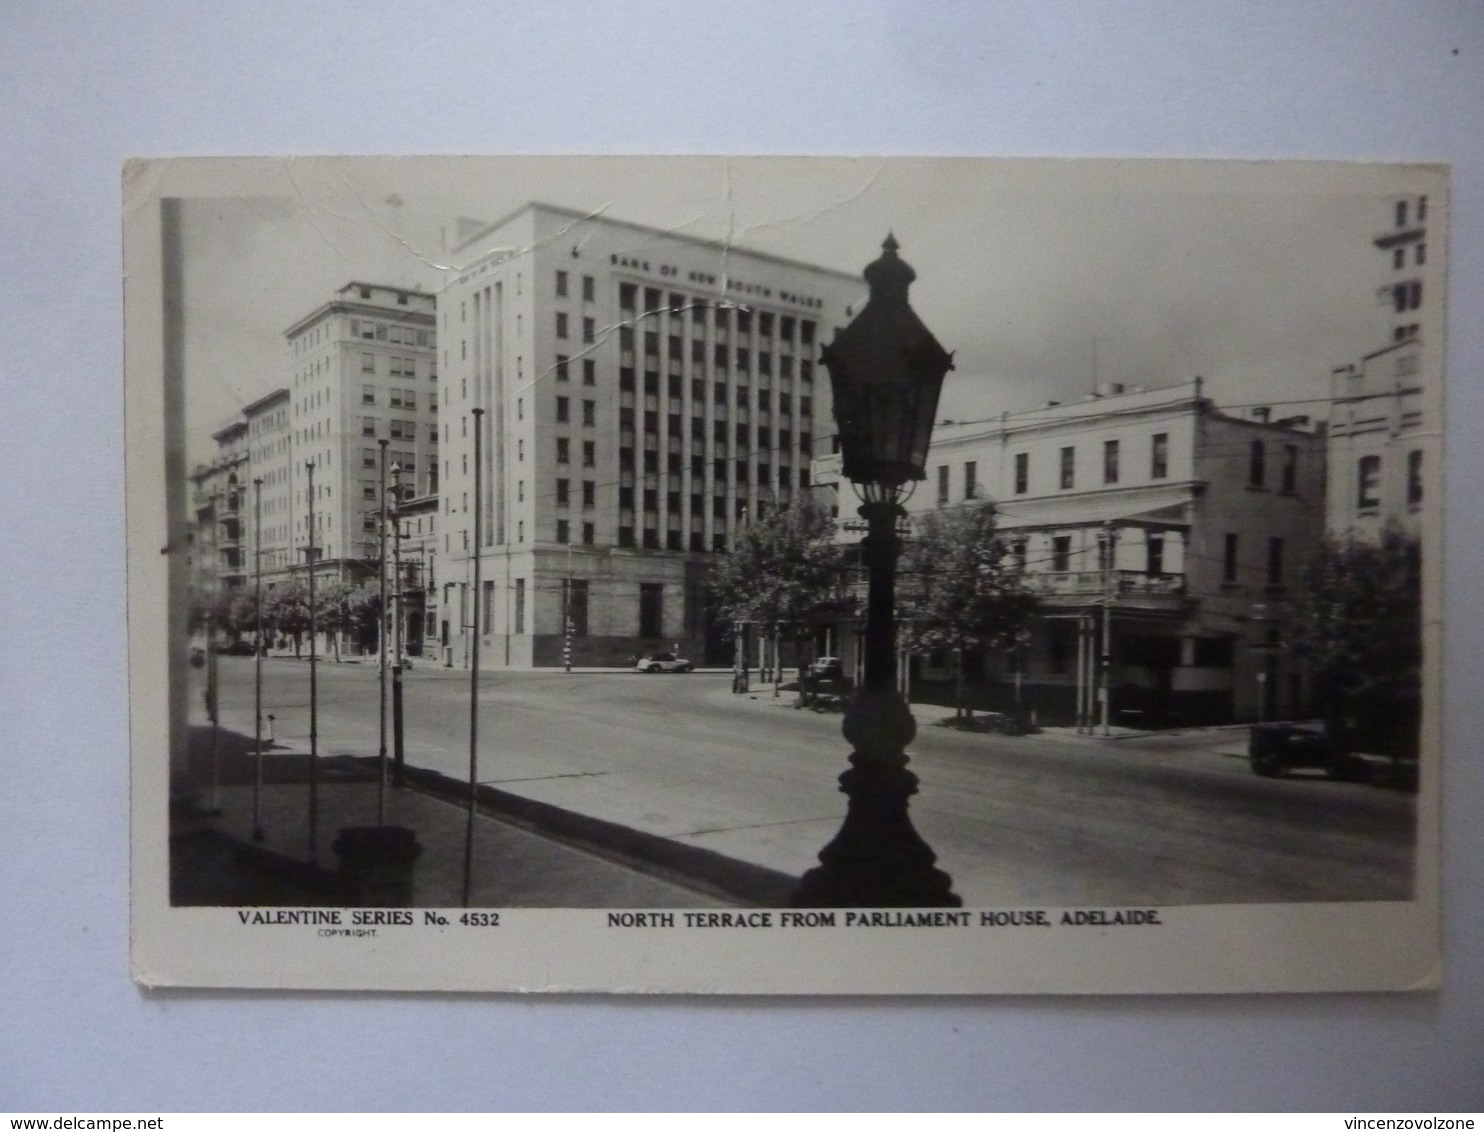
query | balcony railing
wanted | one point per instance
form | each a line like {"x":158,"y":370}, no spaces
{"x":1094,"y":583}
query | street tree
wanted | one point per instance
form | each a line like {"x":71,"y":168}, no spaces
{"x":343,"y":607}
{"x":958,"y":591}
{"x":286,"y":609}
{"x":783,"y":572}
{"x":1358,"y":628}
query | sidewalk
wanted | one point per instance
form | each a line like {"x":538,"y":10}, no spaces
{"x":216,"y":860}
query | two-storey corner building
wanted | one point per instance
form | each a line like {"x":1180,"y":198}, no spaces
{"x":220,"y":534}
{"x":1384,"y":408}
{"x":1150,"y":516}
{"x":362,"y":369}
{"x":643,"y":394}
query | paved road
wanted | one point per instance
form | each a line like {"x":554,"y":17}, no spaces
{"x":1047,"y":820}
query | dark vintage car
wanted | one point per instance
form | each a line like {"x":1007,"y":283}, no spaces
{"x":1385,"y":752}
{"x":1276,"y":748}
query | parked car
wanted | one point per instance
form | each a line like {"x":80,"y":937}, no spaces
{"x":826,"y":668}
{"x":663,"y":662}
{"x":241,"y":647}
{"x":1276,"y":748}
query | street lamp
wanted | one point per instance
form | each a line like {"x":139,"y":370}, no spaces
{"x":886,"y":371}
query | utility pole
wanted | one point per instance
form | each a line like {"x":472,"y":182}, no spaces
{"x":400,"y":612}
{"x":214,"y":804}
{"x":1107,"y":655}
{"x":381,"y":648}
{"x":474,"y":662}
{"x":313,"y":683}
{"x":567,"y":609}
{"x":257,"y":660}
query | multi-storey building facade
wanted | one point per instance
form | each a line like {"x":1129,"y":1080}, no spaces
{"x":1382,"y":453}
{"x":362,"y":369}
{"x":221,"y":533}
{"x":1151,"y":514}
{"x":643,"y":394}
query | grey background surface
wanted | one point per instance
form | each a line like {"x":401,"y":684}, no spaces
{"x":84,"y":86}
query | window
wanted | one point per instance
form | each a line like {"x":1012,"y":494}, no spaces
{"x":1159,"y":456}
{"x":589,"y":413}
{"x":563,"y":413}
{"x":1288,"y":476}
{"x":587,"y":289}
{"x":563,"y":493}
{"x":1154,"y":555}
{"x":1110,"y":461}
{"x":589,"y":454}
{"x":806,"y":405}
{"x":563,"y":447}
{"x":1275,"y":561}
{"x":368,"y":395}
{"x":368,"y":426}
{"x":563,"y":531}
{"x":625,"y":536}
{"x":1257,"y":464}
{"x":1420,"y":256}
{"x":1068,"y":467}
{"x":589,"y":371}
{"x":520,"y":605}
{"x":627,"y":294}
{"x":1022,"y":472}
{"x":942,"y":485}
{"x":971,"y":480}
{"x":1368,"y":483}
{"x":1229,"y":559}
{"x":588,"y":534}
{"x":1399,"y":259}
{"x":561,"y":324}
{"x":561,"y":284}
{"x":368,"y":457}
{"x":368,"y":492}
{"x":1061,"y":554}
{"x":368,"y":363}
{"x":561,"y":367}
{"x":1414,"y":478}
{"x":1401,"y":214}
{"x":589,"y":493}
{"x":589,"y":330}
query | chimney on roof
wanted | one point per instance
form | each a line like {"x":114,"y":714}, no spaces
{"x":1262,"y":413}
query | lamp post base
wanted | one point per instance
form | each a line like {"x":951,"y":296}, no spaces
{"x":877,"y":860}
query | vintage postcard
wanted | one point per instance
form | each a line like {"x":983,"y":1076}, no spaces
{"x":785,"y":576}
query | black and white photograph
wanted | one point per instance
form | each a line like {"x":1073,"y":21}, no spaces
{"x":784,"y":575}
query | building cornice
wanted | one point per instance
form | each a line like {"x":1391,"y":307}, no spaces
{"x":722,"y":246}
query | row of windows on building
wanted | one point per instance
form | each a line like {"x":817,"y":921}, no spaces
{"x":397,"y":398}
{"x":396,"y":429}
{"x":397,"y":366}
{"x":1399,"y":256}
{"x":575,"y":605}
{"x":1402,"y":210}
{"x":1159,"y":468}
{"x":1368,"y":483}
{"x":721,"y":393}
{"x":723,"y":316}
{"x":392,"y":333}
{"x":721,"y":355}
{"x":1060,"y":560}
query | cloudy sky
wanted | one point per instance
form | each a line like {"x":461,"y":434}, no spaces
{"x":1043,"y":276}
